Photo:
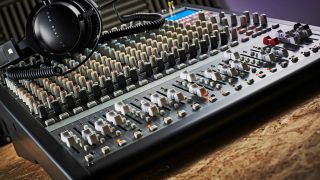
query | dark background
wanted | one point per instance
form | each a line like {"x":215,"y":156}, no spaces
{"x":13,"y":13}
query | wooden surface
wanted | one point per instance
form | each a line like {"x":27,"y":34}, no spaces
{"x":284,"y":145}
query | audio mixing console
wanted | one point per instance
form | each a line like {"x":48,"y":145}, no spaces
{"x":142,"y":96}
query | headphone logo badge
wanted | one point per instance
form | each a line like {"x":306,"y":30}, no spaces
{"x":10,"y":51}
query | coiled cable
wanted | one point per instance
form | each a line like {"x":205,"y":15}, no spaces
{"x":44,"y":72}
{"x":154,"y":21}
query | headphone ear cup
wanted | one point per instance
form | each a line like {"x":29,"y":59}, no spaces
{"x":84,"y":40}
{"x":29,"y":34}
{"x":93,"y":23}
{"x":75,"y":25}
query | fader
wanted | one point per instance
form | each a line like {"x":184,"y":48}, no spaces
{"x":145,"y":94}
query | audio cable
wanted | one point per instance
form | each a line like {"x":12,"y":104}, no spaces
{"x":150,"y":21}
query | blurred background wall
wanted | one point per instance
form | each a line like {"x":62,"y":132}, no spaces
{"x":13,"y":13}
{"x":307,"y":11}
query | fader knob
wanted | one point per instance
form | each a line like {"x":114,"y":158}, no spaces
{"x":234,"y":33}
{"x":223,"y":38}
{"x":159,"y":100}
{"x":68,"y":138}
{"x":216,"y":76}
{"x":197,"y":90}
{"x":148,"y":69}
{"x":203,"y":46}
{"x":171,"y":60}
{"x":149,"y":108}
{"x":190,"y":77}
{"x":213,"y":42}
{"x":231,"y":55}
{"x":134,"y":75}
{"x":202,"y":16}
{"x":121,"y":79}
{"x":213,"y":19}
{"x":243,"y":21}
{"x":90,"y":136}
{"x":210,"y":74}
{"x":247,"y":14}
{"x":103,"y":127}
{"x":174,"y":95}
{"x":122,"y":108}
{"x":182,"y":55}
{"x":255,"y":18}
{"x":221,"y":15}
{"x":234,"y":21}
{"x":193,"y":51}
{"x":264,"y":20}
{"x":225,"y":21}
{"x":207,"y":73}
{"x":114,"y":118}
{"x":240,"y":65}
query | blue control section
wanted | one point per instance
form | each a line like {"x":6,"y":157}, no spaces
{"x":181,"y":14}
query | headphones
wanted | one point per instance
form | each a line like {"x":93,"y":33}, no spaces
{"x":56,"y":29}
{"x":61,"y":26}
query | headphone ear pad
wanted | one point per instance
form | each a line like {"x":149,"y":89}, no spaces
{"x":93,"y":23}
{"x":84,"y":40}
{"x":63,"y":27}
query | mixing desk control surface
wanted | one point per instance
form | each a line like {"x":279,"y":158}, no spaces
{"x":145,"y":89}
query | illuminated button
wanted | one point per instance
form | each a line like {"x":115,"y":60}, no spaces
{"x":121,"y":142}
{"x":153,"y":128}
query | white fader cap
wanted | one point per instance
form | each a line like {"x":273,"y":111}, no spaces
{"x":103,"y":127}
{"x":159,"y":100}
{"x":149,"y":108}
{"x":174,"y":95}
{"x":114,"y":118}
{"x":122,"y":108}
